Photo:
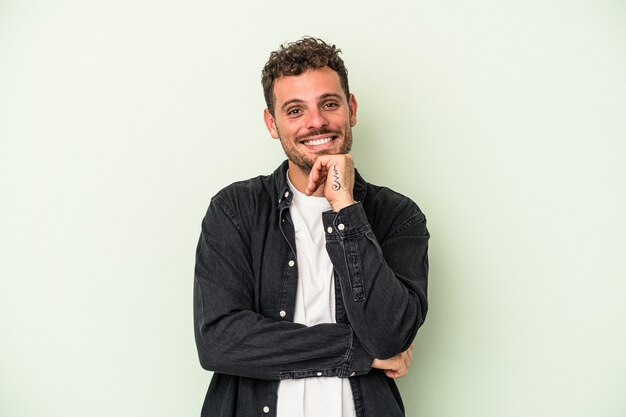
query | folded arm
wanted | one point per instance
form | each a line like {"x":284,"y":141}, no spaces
{"x":233,"y":338}
{"x":383,"y":283}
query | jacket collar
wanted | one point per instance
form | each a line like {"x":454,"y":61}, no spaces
{"x":284,"y":194}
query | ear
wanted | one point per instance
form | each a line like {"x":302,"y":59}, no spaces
{"x":352,"y":105}
{"x":270,"y":123}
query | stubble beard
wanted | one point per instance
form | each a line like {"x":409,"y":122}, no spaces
{"x":305,"y":163}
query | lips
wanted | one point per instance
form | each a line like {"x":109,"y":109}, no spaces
{"x":320,"y":141}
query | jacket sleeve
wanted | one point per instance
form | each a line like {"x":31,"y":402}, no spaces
{"x":383,"y":283}
{"x":232,"y":338}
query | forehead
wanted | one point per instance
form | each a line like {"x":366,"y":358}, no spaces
{"x":309,"y":85}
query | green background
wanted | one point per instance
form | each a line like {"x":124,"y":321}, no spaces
{"x":504,"y":120}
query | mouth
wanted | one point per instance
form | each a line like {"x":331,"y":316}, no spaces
{"x":319,"y":141}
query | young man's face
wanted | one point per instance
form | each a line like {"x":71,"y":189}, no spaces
{"x":312,"y":116}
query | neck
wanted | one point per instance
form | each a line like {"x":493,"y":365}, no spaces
{"x":299,"y":178}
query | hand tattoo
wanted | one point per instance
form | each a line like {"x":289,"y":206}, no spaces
{"x":336,"y":185}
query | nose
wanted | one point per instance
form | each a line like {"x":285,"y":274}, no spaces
{"x":316,"y":119}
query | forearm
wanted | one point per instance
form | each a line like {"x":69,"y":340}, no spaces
{"x":247,"y":344}
{"x":233,"y":337}
{"x":383,"y":284}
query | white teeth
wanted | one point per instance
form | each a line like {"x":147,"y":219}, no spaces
{"x":318,"y":141}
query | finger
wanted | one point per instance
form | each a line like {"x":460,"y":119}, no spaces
{"x":313,"y":188}
{"x":393,"y":374}
{"x":399,"y":365}
{"x":315,"y":177}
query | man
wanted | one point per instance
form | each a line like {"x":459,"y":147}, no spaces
{"x":310,"y":283}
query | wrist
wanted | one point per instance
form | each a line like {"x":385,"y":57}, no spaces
{"x":338,"y":205}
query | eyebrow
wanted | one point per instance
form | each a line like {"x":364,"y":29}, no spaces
{"x":331,"y":95}
{"x":299,"y":101}
{"x":289,"y":102}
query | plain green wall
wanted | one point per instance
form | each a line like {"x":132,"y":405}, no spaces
{"x":504,"y":120}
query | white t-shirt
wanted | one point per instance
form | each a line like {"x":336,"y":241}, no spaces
{"x":315,"y":303}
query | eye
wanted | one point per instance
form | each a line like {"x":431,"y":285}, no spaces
{"x":294,"y":111}
{"x":330,"y":105}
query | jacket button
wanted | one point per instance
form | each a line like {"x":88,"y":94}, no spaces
{"x":329,"y":230}
{"x":319,"y":374}
{"x":286,"y":194}
{"x":340,"y":226}
{"x":266,"y":409}
{"x":282,"y":313}
{"x":291,"y":263}
{"x":353,"y":374}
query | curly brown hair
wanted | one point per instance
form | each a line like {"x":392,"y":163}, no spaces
{"x":294,"y":58}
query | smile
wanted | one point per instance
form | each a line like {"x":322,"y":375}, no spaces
{"x":317,"y":142}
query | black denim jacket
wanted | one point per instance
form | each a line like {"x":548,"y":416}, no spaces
{"x":246,"y":277}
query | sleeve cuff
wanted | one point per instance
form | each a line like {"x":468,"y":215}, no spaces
{"x":348,"y":221}
{"x":359,"y":362}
